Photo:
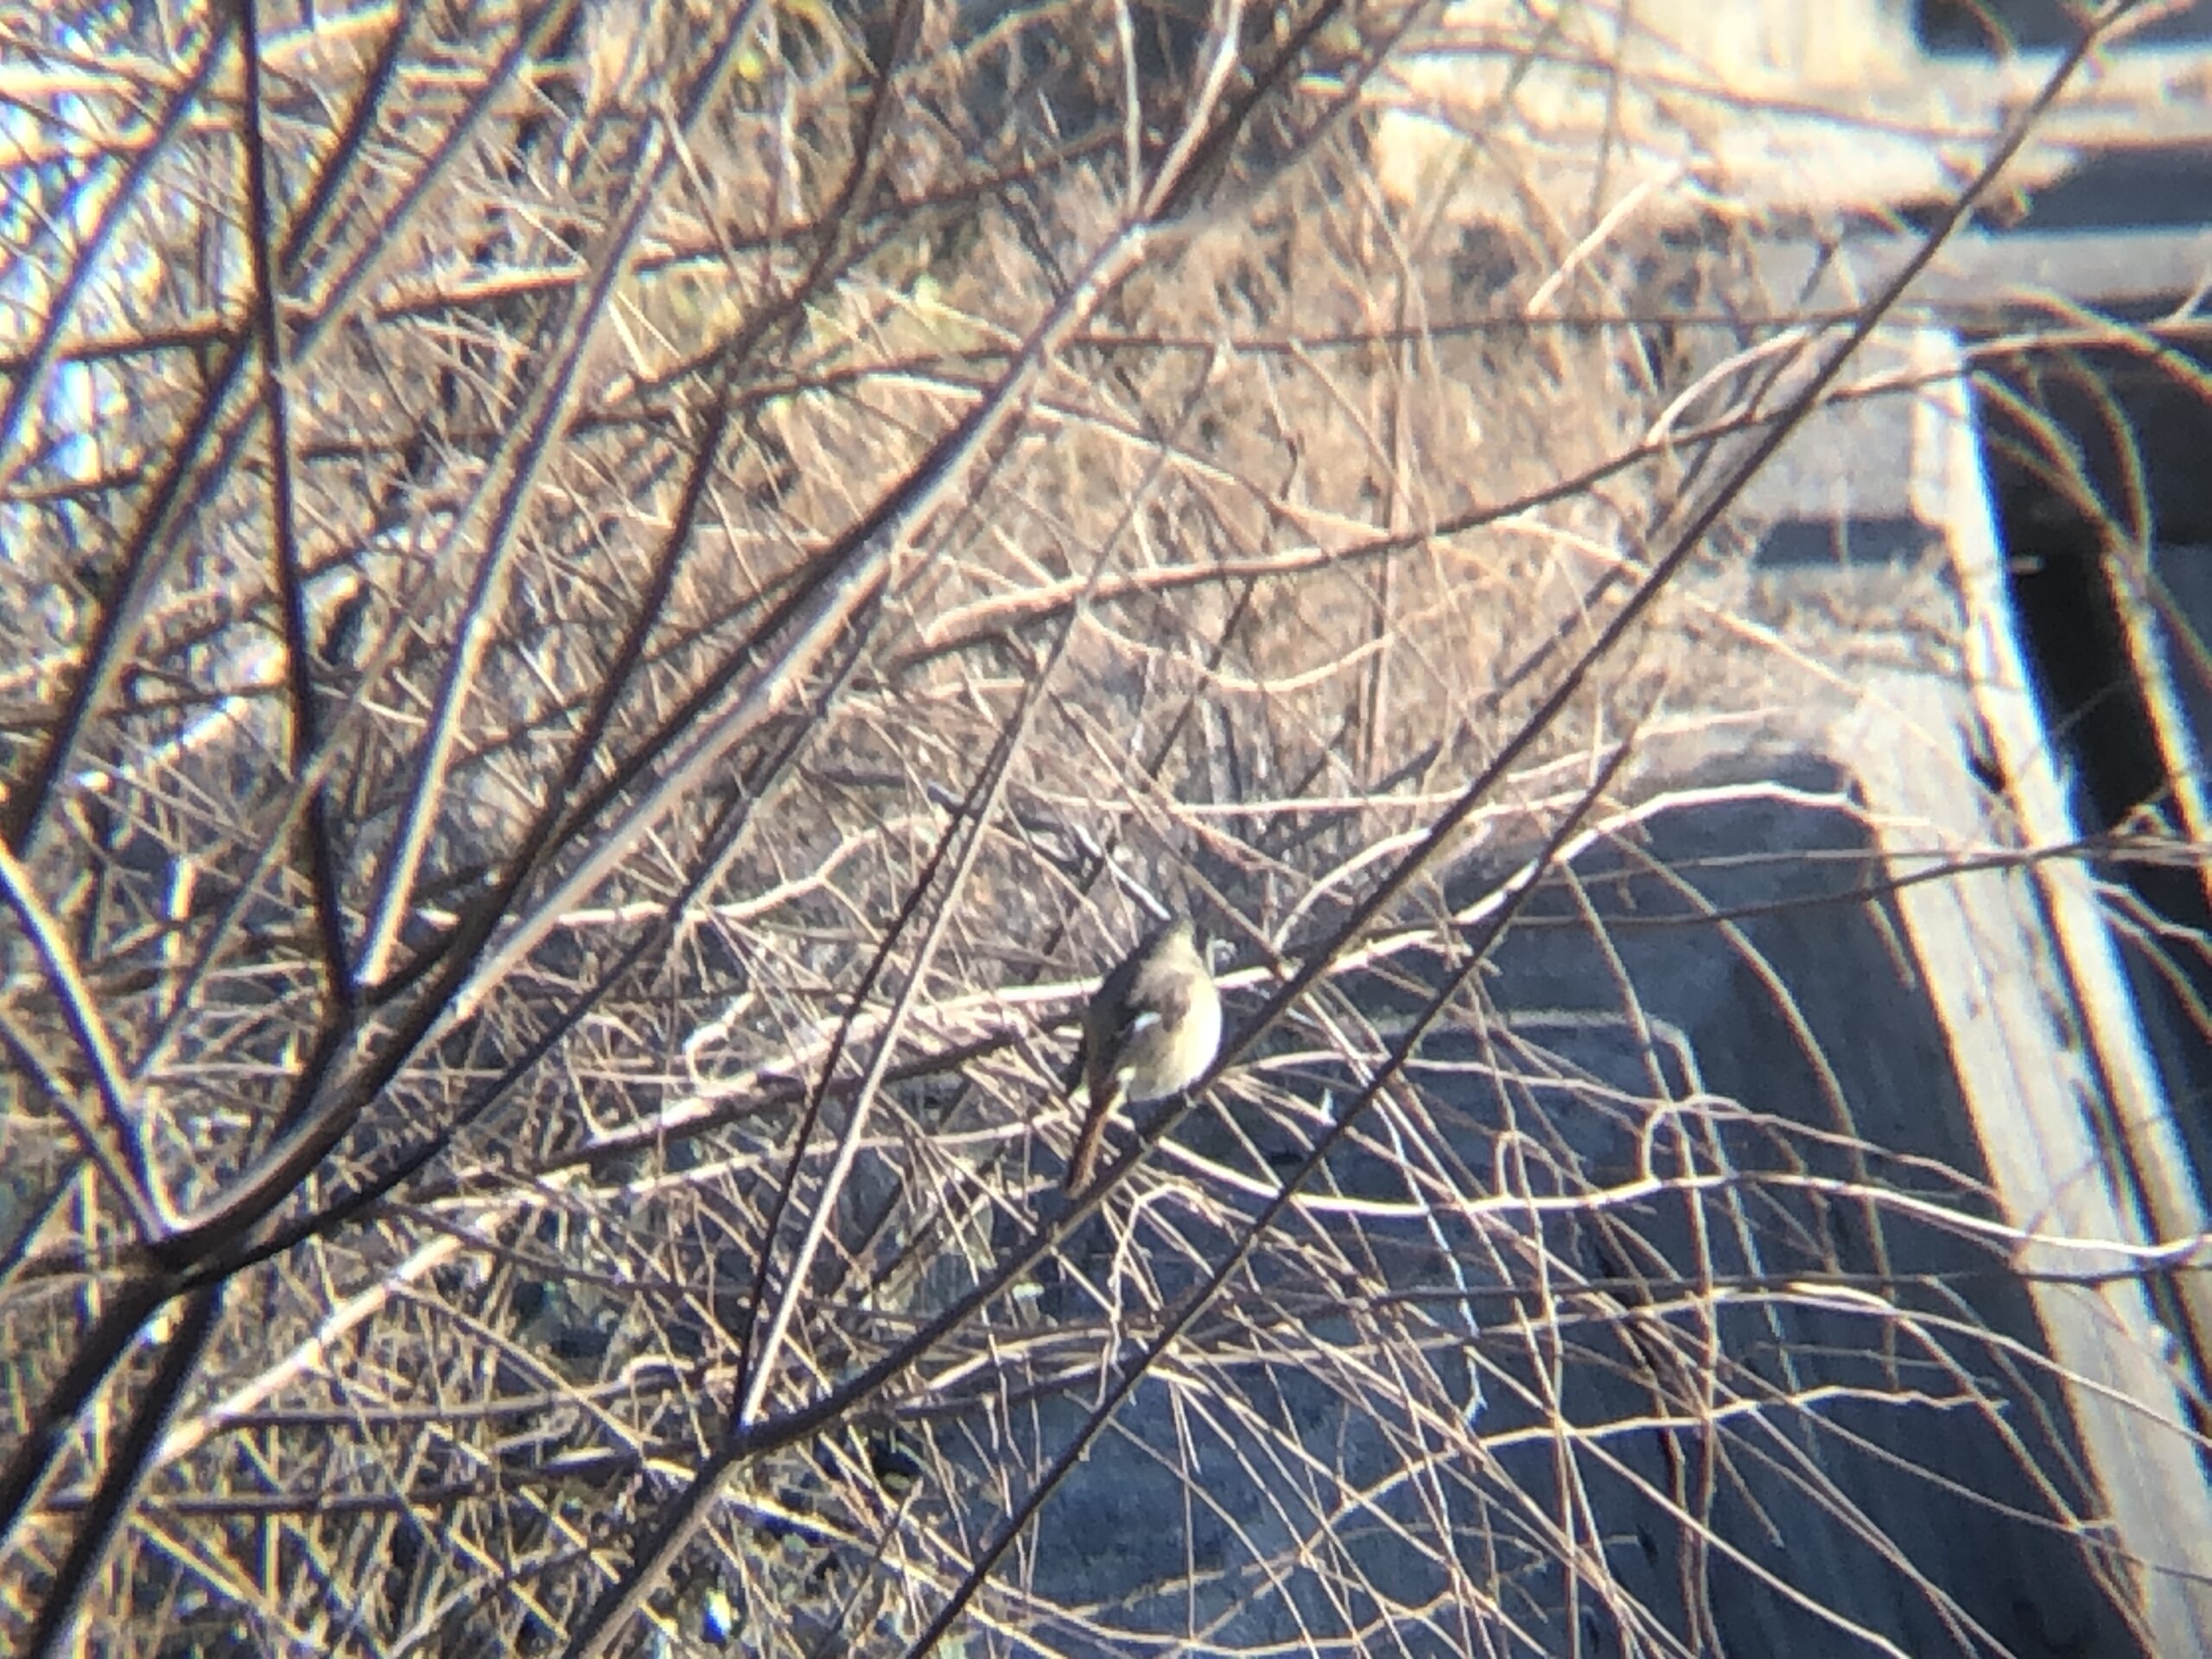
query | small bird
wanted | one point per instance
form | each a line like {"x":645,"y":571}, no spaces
{"x":1151,"y":1032}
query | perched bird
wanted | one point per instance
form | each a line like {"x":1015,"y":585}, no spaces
{"x":1150,"y":1031}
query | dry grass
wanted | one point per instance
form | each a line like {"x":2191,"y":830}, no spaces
{"x":551,"y":844}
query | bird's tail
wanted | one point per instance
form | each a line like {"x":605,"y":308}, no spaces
{"x":1089,"y":1143}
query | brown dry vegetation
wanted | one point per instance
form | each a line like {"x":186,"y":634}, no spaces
{"x":552,"y":844}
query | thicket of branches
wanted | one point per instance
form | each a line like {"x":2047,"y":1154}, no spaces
{"x":610,"y":610}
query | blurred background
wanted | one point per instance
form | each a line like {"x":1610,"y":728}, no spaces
{"x":610,"y":611}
